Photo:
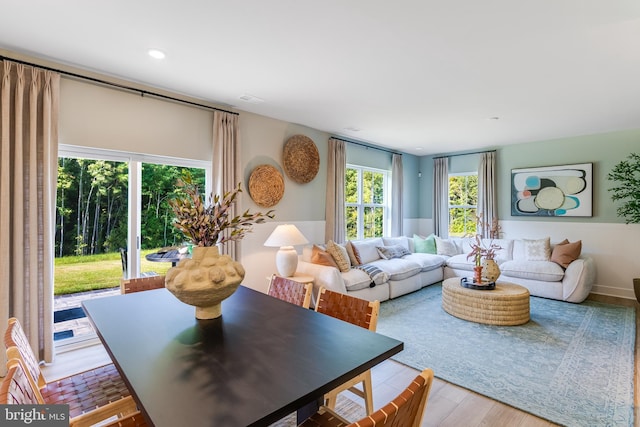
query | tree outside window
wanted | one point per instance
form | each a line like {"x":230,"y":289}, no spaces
{"x":463,"y":203}
{"x":365,"y":202}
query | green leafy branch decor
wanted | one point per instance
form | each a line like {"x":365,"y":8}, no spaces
{"x":626,"y":174}
{"x":204,"y":224}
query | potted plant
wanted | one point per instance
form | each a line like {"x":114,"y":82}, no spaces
{"x":626,"y":176}
{"x":484,"y":251}
{"x":206,"y":279}
{"x":205,"y":225}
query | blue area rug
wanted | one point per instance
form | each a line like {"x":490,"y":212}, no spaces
{"x":571,"y":364}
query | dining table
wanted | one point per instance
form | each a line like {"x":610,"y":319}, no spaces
{"x":172,"y":255}
{"x":262,"y":360}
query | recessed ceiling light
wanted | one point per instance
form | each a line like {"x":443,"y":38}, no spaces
{"x":156,"y":53}
{"x":352,"y":129}
{"x":494,"y":118}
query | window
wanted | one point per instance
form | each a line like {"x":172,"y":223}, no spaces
{"x":109,"y":200}
{"x":463,"y":202}
{"x":366,"y":202}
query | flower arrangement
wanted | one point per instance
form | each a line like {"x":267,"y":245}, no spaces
{"x":204,"y":225}
{"x":485,"y":249}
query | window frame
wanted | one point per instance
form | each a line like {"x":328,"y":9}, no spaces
{"x":361,"y":206}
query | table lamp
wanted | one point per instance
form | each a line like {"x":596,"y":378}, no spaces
{"x":286,"y":236}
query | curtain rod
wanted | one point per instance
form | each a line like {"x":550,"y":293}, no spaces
{"x":142,"y":92}
{"x":366,"y":145}
{"x":465,"y":154}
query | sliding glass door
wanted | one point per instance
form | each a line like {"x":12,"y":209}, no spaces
{"x":112,"y":210}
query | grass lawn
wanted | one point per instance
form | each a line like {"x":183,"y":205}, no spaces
{"x":85,"y":273}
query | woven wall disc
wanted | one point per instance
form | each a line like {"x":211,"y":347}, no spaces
{"x":266,"y":186}
{"x":301,"y":159}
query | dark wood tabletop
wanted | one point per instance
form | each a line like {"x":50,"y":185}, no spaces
{"x":262,"y":360}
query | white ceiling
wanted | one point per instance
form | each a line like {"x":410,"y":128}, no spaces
{"x":420,"y":76}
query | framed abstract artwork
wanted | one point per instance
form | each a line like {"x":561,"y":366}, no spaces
{"x":558,"y":191}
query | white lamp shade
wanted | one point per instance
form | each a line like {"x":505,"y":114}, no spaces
{"x":285,"y":237}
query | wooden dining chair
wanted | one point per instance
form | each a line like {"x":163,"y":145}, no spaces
{"x":138,"y":284}
{"x":406,"y":410}
{"x":291,"y":291}
{"x":17,"y":389}
{"x":82,"y":392}
{"x":361,"y":313}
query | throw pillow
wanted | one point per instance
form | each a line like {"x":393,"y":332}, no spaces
{"x":322,"y":257}
{"x":425,"y":245}
{"x":340,"y":256}
{"x":565,"y":253}
{"x":394,"y":251}
{"x":537,"y":250}
{"x":445,"y":247}
{"x":354,"y":255}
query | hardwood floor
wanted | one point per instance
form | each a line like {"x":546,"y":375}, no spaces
{"x":448,"y":405}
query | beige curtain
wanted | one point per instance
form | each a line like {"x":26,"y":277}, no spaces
{"x":487,"y":203}
{"x":28,"y":172}
{"x":397,"y":215}
{"x":441,"y":197}
{"x":226,"y":165}
{"x":335,"y":227}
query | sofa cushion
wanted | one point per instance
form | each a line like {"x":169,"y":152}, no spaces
{"x":340,"y":256}
{"x":546,"y":271}
{"x":564,"y":253}
{"x":354,"y":256}
{"x":446,"y":247}
{"x":461,"y":262}
{"x":356,"y":279}
{"x":367,"y":249}
{"x":427,"y":262}
{"x":505,"y":253}
{"x":393,"y":241}
{"x":394,"y":251}
{"x":425,"y":245}
{"x":322,"y":257}
{"x":532,"y":250}
{"x":398,"y":268}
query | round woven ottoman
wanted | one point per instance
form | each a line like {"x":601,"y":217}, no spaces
{"x":506,"y":305}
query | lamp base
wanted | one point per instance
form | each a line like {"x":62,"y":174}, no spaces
{"x":286,"y":261}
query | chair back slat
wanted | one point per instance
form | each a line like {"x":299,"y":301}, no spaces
{"x":15,"y":337}
{"x":354,"y":310}
{"x":16,"y":389}
{"x":291,"y":291}
{"x":406,"y":409}
{"x":140,"y":284}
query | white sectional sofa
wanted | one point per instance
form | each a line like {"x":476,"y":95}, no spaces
{"x":412,"y":271}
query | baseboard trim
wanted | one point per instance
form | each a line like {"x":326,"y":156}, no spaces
{"x":612,"y":299}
